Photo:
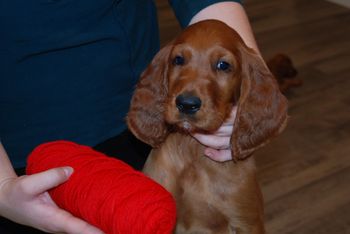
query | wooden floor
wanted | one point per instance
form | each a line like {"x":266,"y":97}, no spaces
{"x":305,"y":173}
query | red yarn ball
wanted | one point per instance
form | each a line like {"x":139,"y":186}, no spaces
{"x":104,"y":191}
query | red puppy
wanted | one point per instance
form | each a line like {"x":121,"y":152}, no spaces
{"x":191,"y":86}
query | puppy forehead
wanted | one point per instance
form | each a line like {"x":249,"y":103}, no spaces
{"x":212,"y":51}
{"x":209,"y":33}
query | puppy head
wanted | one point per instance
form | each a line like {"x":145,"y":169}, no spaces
{"x":203,"y":77}
{"x":193,"y":83}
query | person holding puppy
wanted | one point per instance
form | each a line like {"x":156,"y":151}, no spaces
{"x":68,"y":70}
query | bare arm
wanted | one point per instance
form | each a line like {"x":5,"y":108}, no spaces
{"x":234,"y":15}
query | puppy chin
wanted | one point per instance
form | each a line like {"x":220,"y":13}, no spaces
{"x":185,"y":126}
{"x":189,"y":127}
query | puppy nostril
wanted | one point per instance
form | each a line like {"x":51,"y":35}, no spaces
{"x":188,"y":104}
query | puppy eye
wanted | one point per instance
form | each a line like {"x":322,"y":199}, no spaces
{"x":179,"y":60}
{"x":223,"y":66}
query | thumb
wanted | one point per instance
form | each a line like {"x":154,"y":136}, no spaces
{"x":41,"y":182}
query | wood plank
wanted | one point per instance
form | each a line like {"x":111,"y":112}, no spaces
{"x":293,"y":212}
{"x":329,"y":222}
{"x":272,"y":15}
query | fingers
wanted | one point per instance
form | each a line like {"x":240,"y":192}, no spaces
{"x":29,"y":203}
{"x":227,"y":126}
{"x":218,"y":155}
{"x":40,"y":182}
{"x":221,"y":138}
{"x":61,"y":220}
{"x":232,"y":117}
{"x":224,"y":131}
{"x":218,"y":143}
{"x":67,"y":223}
{"x":213,"y":141}
{"x":218,"y":148}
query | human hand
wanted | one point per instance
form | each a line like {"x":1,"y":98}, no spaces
{"x":218,"y":143}
{"x":25,"y":200}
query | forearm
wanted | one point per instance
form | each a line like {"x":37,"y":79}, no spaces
{"x":6,"y":169}
{"x":234,"y":15}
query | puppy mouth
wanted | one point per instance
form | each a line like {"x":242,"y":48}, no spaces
{"x":192,"y":124}
{"x":186,"y":126}
{"x":185,"y":123}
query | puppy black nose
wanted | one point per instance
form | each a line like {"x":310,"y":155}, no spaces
{"x":188,"y":104}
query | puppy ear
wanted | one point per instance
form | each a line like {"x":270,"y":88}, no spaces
{"x":262,"y":109}
{"x":145,"y":118}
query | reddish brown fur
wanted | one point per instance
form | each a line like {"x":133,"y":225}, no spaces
{"x":212,"y":197}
